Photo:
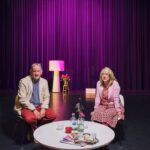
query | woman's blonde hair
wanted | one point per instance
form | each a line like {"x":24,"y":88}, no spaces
{"x":107,"y":70}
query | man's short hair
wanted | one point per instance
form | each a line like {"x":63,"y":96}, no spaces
{"x":35,"y":64}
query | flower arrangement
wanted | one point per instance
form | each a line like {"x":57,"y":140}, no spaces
{"x":65,"y":77}
{"x":79,"y":109}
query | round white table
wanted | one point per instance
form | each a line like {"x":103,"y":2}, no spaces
{"x":50,"y":135}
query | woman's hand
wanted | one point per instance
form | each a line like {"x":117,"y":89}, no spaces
{"x":92,"y":113}
{"x":119,"y":115}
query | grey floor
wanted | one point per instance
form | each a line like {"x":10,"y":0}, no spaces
{"x":132,"y":134}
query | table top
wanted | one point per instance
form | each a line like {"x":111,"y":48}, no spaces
{"x":50,"y":135}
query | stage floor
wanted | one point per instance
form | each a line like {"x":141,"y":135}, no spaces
{"x":135,"y":128}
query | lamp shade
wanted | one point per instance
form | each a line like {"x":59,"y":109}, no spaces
{"x":56,"y":65}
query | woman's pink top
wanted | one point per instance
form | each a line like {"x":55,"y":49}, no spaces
{"x":108,"y":96}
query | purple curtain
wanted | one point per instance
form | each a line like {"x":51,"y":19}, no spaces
{"x":86,"y":34}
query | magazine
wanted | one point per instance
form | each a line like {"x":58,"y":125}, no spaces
{"x":80,"y":139}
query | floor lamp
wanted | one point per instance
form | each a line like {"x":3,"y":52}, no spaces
{"x":56,"y":66}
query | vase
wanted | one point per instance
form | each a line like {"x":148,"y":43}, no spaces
{"x":65,"y":85}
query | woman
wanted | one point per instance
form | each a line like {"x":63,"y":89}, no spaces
{"x":108,"y":109}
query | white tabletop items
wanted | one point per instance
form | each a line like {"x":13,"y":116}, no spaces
{"x":60,"y":135}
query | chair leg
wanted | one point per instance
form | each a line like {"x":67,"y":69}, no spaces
{"x":21,"y":132}
{"x":119,"y":133}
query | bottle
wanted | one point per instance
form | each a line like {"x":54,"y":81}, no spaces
{"x":81,"y":124}
{"x":73,"y":122}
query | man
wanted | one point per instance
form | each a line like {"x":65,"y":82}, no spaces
{"x":34,"y":97}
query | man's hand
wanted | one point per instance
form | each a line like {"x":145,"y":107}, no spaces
{"x":42,"y":112}
{"x":37,"y":114}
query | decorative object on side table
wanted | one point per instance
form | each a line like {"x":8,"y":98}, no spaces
{"x":65,"y":78}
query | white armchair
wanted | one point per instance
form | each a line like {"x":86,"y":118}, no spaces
{"x":122,"y":99}
{"x":122,"y":102}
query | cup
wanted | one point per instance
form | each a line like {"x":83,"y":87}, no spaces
{"x":68,"y":129}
